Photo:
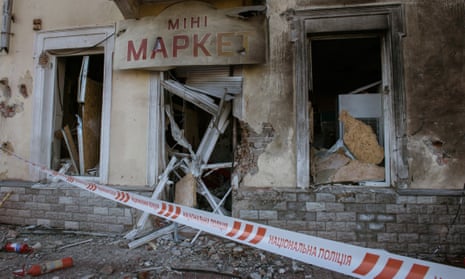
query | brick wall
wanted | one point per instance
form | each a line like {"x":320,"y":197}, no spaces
{"x":424,"y":226}
{"x":64,"y":207}
{"x":416,"y":225}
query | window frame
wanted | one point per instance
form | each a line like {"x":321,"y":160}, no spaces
{"x":333,"y":20}
{"x":61,"y":42}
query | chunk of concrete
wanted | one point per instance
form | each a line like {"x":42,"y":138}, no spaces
{"x":331,"y":161}
{"x":357,"y":171}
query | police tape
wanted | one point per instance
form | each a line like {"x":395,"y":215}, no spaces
{"x":340,"y":257}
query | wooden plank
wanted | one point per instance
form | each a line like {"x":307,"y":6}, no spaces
{"x":91,"y":123}
{"x":71,"y":145}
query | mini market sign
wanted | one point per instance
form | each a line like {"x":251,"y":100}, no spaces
{"x":190,"y":34}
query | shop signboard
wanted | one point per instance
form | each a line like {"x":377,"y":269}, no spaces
{"x":191,"y":34}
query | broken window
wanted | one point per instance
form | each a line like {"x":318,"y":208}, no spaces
{"x":349,"y":96}
{"x":69,"y":64}
{"x":78,"y":109}
{"x":347,"y":110}
{"x":199,"y":131}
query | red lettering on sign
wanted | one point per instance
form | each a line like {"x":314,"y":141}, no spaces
{"x":141,"y":51}
{"x":173,"y":25}
{"x":201,"y":44}
{"x":195,"y":21}
{"x":192,"y":22}
{"x":193,"y":45}
{"x":160,"y":48}
{"x":179,"y":42}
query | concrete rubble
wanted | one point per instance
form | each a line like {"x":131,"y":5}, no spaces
{"x":107,"y":256}
{"x":358,"y":157}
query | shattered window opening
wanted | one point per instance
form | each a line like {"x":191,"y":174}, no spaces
{"x":78,"y":112}
{"x":199,"y":130}
{"x":347,"y":144}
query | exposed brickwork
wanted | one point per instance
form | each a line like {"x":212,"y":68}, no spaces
{"x":251,"y":146}
{"x":412,"y":225}
{"x":64,"y":207}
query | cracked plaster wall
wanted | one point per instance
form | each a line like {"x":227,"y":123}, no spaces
{"x":434,"y":55}
{"x":18,"y":66}
{"x":269,"y":100}
{"x":434,"y":52}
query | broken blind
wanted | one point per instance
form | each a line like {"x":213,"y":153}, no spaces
{"x":216,"y":80}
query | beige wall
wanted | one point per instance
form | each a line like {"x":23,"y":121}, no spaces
{"x":269,"y":98}
{"x":129,"y":126}
{"x":433,"y":60}
{"x":129,"y":97}
{"x":434,"y":54}
{"x":129,"y":114}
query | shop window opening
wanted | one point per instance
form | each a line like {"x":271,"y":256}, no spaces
{"x":78,"y":113}
{"x":199,"y":131}
{"x":346,"y":110}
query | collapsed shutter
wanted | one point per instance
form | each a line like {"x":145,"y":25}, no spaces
{"x":215,"y":81}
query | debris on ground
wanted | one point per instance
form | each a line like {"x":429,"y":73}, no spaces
{"x":96,"y":256}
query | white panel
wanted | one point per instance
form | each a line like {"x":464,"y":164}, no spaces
{"x":363,"y":107}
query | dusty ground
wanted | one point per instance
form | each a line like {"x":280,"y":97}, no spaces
{"x":108,"y":256}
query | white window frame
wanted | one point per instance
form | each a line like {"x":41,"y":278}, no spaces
{"x":156,"y":153}
{"x":98,"y":40}
{"x":354,"y":19}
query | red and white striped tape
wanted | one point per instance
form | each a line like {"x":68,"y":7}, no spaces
{"x":344,"y":258}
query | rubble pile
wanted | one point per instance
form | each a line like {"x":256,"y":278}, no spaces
{"x":354,"y":158}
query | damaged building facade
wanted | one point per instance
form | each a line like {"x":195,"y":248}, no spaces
{"x":336,"y":118}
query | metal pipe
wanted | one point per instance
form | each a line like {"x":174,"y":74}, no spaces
{"x":6,"y":25}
